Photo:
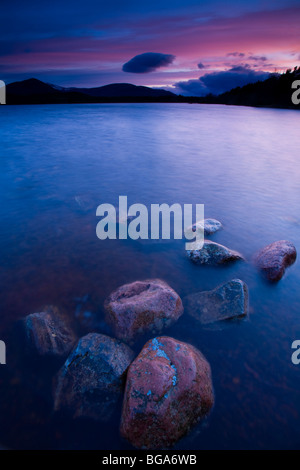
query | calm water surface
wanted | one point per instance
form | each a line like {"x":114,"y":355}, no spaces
{"x":58,"y":163}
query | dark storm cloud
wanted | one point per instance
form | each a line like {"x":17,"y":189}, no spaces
{"x":219,"y":82}
{"x":201,"y":66}
{"x":147,"y":62}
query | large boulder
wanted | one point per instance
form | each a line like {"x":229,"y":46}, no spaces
{"x":213,"y":253}
{"x":142,"y":306}
{"x":48,"y":334}
{"x":168,"y":389}
{"x":91,"y":381}
{"x":273,"y":260}
{"x":230,"y":300}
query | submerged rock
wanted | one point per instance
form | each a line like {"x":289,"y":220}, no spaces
{"x":208,"y":226}
{"x":123,"y":218}
{"x":142,"y":306}
{"x":168,"y":389}
{"x":212,"y":254}
{"x":91,"y":381}
{"x":227,"y":301}
{"x":88,"y":317}
{"x":275,"y":258}
{"x":48,"y":334}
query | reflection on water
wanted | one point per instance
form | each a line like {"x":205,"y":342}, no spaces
{"x":58,"y":163}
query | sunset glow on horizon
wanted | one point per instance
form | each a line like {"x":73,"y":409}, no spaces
{"x":158,"y":44}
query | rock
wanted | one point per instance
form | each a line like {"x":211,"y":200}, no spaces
{"x":212,"y":254}
{"x":168,"y":389}
{"x":209,"y":226}
{"x":142,"y":306}
{"x":48,"y":334}
{"x":227,"y":301}
{"x":275,"y":258}
{"x":91,"y":381}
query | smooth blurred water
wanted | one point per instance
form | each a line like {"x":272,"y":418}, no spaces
{"x":59,"y":162}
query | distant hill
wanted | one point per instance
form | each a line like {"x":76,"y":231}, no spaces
{"x":124,"y":90}
{"x":33,"y":91}
{"x":29,"y":87}
{"x":275,"y":92}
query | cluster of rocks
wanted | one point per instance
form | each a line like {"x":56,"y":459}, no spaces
{"x":167,"y":387}
{"x":272,"y":260}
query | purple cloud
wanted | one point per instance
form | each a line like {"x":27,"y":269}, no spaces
{"x":147,"y":62}
{"x":219,"y":82}
{"x":261,"y":58}
{"x":235,"y":54}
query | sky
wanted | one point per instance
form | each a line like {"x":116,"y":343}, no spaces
{"x":191,"y":47}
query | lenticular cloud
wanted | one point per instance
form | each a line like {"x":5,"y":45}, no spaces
{"x":147,"y":62}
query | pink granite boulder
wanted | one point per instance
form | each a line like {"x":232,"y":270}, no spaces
{"x":168,"y":390}
{"x":142,"y":306}
{"x":273,"y":260}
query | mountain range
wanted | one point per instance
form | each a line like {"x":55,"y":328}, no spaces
{"x":33,"y":91}
{"x":275,"y":92}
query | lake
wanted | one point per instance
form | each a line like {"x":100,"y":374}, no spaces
{"x":59,"y":162}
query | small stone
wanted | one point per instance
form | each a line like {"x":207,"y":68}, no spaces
{"x":208,"y":226}
{"x":273,"y":260}
{"x":213,"y":253}
{"x":230,"y":300}
{"x":142,"y":306}
{"x":168,"y":390}
{"x":91,"y":381}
